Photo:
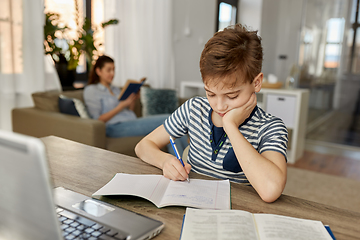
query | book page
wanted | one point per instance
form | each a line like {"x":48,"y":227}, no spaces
{"x":202,"y":224}
{"x":150,"y":187}
{"x":199,"y":193}
{"x":276,"y":227}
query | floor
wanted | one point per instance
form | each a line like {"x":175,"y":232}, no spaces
{"x":332,"y":144}
{"x":338,"y":127}
{"x":341,"y":166}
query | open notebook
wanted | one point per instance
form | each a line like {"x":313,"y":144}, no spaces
{"x":31,"y":209}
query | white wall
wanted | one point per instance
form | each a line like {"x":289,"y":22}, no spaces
{"x":250,"y":13}
{"x":193,"y":25}
{"x":280,"y":31}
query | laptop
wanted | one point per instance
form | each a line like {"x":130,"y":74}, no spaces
{"x":31,"y":209}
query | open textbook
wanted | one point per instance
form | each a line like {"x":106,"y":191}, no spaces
{"x":198,"y":193}
{"x":203,"y":224}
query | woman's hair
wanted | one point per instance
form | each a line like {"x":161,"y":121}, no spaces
{"x":234,"y":54}
{"x":100,"y":62}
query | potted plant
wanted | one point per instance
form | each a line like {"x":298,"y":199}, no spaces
{"x":85,"y":43}
{"x":52,"y":33}
{"x":66,"y":51}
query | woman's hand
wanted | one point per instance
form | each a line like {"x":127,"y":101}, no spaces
{"x":129,"y":101}
{"x":132,"y":105}
{"x":237,"y":116}
{"x":174,"y":170}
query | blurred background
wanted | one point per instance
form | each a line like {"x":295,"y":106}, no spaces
{"x":312,"y":44}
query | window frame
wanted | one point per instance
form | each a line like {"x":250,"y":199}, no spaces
{"x":339,"y":43}
{"x":354,"y":26}
{"x":233,"y":3}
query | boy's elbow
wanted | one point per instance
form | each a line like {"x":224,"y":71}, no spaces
{"x":138,"y":148}
{"x":270,"y":197}
{"x":272,"y":192}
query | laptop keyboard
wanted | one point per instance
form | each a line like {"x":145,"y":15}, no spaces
{"x":77,"y":227}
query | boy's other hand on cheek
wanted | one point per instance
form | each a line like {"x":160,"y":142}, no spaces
{"x":237,"y":116}
{"x":174,"y":170}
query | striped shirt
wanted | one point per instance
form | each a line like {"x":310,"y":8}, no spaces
{"x":262,"y":130}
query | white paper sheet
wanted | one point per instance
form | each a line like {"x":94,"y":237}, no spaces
{"x":213,"y":194}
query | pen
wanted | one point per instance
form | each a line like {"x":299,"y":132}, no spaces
{"x":177,"y":154}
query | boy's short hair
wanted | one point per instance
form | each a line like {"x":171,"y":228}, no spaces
{"x":234,"y":54}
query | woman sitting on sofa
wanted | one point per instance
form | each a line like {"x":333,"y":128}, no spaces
{"x":102,"y":102}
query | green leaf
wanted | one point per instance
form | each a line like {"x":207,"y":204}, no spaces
{"x":110,"y":22}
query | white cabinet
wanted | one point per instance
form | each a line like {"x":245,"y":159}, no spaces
{"x":283,"y":107}
{"x":191,"y":89}
{"x":292,"y":107}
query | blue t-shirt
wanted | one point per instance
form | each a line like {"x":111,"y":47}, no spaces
{"x":262,"y":130}
{"x":99,"y":100}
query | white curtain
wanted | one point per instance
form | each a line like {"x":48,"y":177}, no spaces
{"x":22,"y":66}
{"x":141,"y":44}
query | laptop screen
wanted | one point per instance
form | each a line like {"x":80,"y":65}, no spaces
{"x":28,"y":210}
{"x":26,"y":203}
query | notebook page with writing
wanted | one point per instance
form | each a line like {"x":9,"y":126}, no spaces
{"x":213,"y":195}
{"x":202,"y":224}
{"x":272,"y":226}
{"x":199,"y":193}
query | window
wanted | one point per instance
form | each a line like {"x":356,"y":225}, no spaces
{"x":227,"y":14}
{"x":335,"y":30}
{"x":353,"y":43}
{"x":72,"y":14}
{"x":318,"y":53}
{"x":97,"y":17}
{"x":305,"y":46}
{"x":11,"y":25}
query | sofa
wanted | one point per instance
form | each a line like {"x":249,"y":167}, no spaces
{"x":46,"y":118}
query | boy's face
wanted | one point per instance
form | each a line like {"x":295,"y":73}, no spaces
{"x":223,"y":98}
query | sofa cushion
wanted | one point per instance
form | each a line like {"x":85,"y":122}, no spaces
{"x":72,"y":106}
{"x":158,"y":101}
{"x":47,"y":101}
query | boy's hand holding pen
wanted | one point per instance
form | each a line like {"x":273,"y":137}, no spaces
{"x":172,"y":142}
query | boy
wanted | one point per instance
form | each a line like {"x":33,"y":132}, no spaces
{"x":230,"y":137}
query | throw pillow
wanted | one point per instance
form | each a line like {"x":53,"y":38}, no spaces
{"x":47,"y":101}
{"x":158,"y":101}
{"x":72,"y":106}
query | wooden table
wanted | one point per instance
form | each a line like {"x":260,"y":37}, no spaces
{"x":85,"y":169}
